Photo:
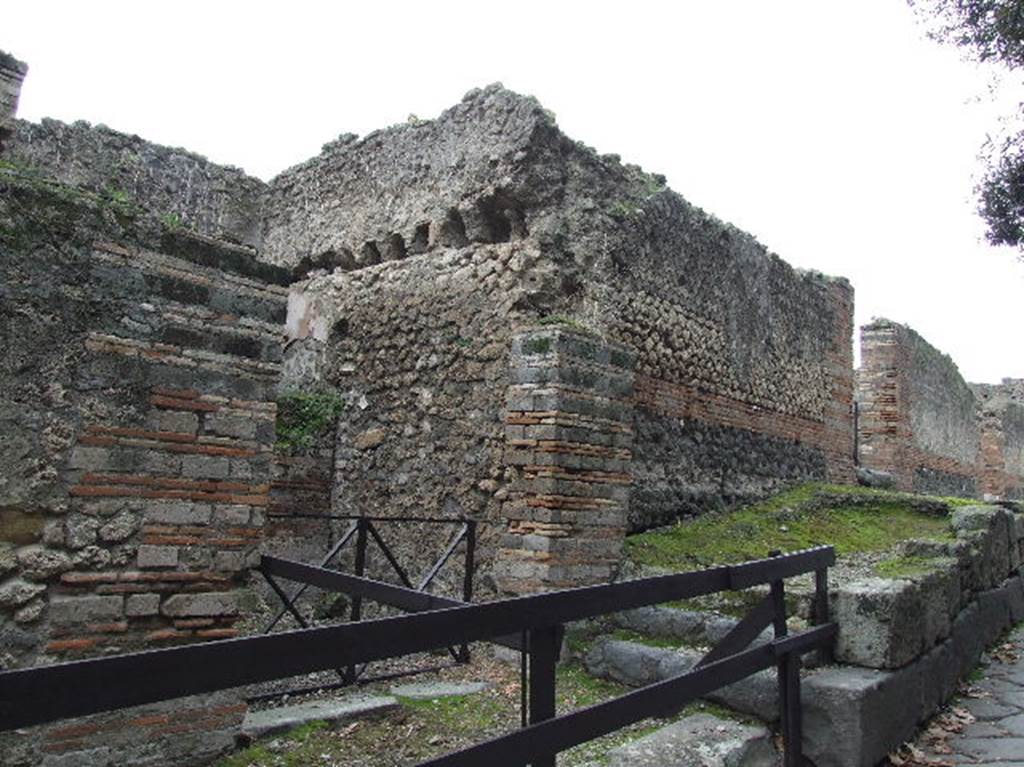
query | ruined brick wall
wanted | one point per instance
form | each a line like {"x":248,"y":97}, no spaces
{"x":916,"y":414}
{"x":1001,"y":424}
{"x":137,"y":404}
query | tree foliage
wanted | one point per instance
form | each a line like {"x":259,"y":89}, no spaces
{"x":989,"y":31}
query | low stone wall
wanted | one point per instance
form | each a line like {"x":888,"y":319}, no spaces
{"x":908,"y":641}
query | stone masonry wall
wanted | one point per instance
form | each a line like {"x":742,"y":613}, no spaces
{"x":743,"y":377}
{"x":569,"y":432}
{"x":137,"y":404}
{"x":12,"y":73}
{"x":174,"y":186}
{"x":419,"y":349}
{"x":916,"y":414}
{"x":1001,"y":421}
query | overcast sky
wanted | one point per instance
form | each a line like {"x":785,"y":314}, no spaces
{"x":833,"y":131}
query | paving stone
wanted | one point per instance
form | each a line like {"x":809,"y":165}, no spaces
{"x":431,"y":690}
{"x":988,"y":710}
{"x":991,"y":748}
{"x":273,"y":720}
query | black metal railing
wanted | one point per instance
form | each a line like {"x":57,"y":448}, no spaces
{"x":364,"y":530}
{"x":38,"y":695}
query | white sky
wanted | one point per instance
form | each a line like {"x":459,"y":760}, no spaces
{"x":833,"y":131}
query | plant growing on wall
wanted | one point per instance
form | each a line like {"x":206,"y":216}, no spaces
{"x":304,"y":417}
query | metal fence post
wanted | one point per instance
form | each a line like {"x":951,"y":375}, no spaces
{"x":351,"y":673}
{"x":789,"y":684}
{"x":544,"y":649}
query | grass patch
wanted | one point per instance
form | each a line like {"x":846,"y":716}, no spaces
{"x":575,"y":688}
{"x":907,"y":567}
{"x":458,"y":713}
{"x":859,"y":519}
{"x":627,"y":635}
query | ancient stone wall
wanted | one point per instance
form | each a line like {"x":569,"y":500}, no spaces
{"x":176,"y":187}
{"x":743,"y":365}
{"x":12,"y":73}
{"x":1001,"y":422}
{"x":917,"y":416}
{"x":137,"y":407}
{"x":743,"y":375}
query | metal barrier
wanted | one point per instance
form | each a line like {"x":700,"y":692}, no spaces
{"x":364,"y":530}
{"x":38,"y":695}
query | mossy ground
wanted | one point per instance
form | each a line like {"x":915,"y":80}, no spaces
{"x":423,"y":729}
{"x":859,"y":520}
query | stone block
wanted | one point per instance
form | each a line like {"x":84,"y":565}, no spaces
{"x":697,"y":741}
{"x":86,"y":609}
{"x":120,"y":528}
{"x":16,"y":592}
{"x":239,"y":427}
{"x":881,"y":622}
{"x":80,"y":531}
{"x":232,"y":515}
{"x":202,"y":605}
{"x":173,"y":420}
{"x":157,"y":556}
{"x":853,"y":717}
{"x":178,"y":513}
{"x":39,"y":563}
{"x":138,"y":605}
{"x":90,"y":458}
{"x":205,"y":466}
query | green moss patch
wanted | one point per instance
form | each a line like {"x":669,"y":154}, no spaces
{"x":852,"y":519}
{"x":908,"y":567}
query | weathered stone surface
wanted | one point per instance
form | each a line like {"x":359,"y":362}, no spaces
{"x":637,"y":665}
{"x":39,"y":563}
{"x":157,"y":556}
{"x":431,"y":690}
{"x":119,"y":528}
{"x":199,"y":605}
{"x":179,"y":513}
{"x":854,"y":716}
{"x":881,"y":622}
{"x":85,"y":609}
{"x":137,"y":605}
{"x":16,"y":592}
{"x":272,"y":720}
{"x":875,"y":478}
{"x":369,"y":439}
{"x":20,"y":527}
{"x":699,"y":740}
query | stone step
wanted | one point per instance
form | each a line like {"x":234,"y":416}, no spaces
{"x":638,"y":665}
{"x":688,"y":626}
{"x":270,"y":721}
{"x":699,"y":740}
{"x":434,"y":690}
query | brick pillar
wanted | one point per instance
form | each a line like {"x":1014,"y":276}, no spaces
{"x":883,"y":427}
{"x":569,"y":433}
